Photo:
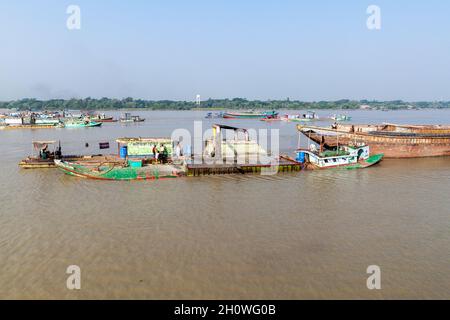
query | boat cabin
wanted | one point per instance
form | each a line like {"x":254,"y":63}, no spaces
{"x":145,"y":148}
{"x":127,"y":117}
{"x":47,"y":149}
{"x":343,"y":156}
{"x":44,"y":153}
{"x":310,"y":115}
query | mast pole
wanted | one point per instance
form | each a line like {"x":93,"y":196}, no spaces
{"x":337,"y":139}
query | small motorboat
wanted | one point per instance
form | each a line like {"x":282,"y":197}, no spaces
{"x":81,"y":124}
{"x":102,"y":118}
{"x":128,"y":118}
{"x":306,"y":117}
{"x":347,"y":157}
{"x":46,"y":152}
{"x":216,"y":115}
{"x":271,"y":119}
{"x":250,"y":115}
{"x":340,"y":117}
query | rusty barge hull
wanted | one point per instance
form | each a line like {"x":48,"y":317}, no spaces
{"x":391,"y":145}
{"x":396,"y":128}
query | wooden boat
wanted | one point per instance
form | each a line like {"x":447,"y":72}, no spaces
{"x":102,"y":118}
{"x":39,"y":163}
{"x":106,"y":120}
{"x":343,"y":157}
{"x":30,"y":126}
{"x":394,"y":141}
{"x":271,"y":119}
{"x":44,"y":158}
{"x":120,"y":172}
{"x":306,"y":117}
{"x":297,"y":118}
{"x":81,"y":124}
{"x":389,"y":127}
{"x":29,"y":122}
{"x":128,"y":118}
{"x":250,"y":115}
{"x":216,"y":115}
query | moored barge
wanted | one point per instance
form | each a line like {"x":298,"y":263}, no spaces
{"x":394,"y":141}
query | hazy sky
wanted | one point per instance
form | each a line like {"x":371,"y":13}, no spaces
{"x":307,"y":50}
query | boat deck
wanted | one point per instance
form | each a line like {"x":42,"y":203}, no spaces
{"x":408,"y":134}
{"x":27,"y":126}
{"x":93,"y":160}
{"x":284,"y":164}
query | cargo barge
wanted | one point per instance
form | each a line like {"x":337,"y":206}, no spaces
{"x":394,"y":141}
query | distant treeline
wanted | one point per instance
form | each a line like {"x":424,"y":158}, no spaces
{"x":237,"y":103}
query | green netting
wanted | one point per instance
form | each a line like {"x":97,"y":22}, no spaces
{"x":120,"y":173}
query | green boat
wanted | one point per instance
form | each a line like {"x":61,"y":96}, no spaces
{"x":295,"y":119}
{"x":341,"y":117}
{"x":133,"y":170}
{"x":345,"y":157}
{"x":81,"y":124}
{"x":306,"y":117}
{"x":250,"y":115}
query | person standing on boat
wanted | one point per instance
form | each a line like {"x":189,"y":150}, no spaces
{"x":178,"y":150}
{"x":164,"y":153}
{"x":155,"y":152}
{"x":161,"y":150}
{"x":45,"y":153}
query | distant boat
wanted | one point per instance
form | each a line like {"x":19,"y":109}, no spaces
{"x":340,"y":117}
{"x":81,"y":124}
{"x":250,"y":115}
{"x":128,"y":118}
{"x":47,"y":121}
{"x":102,"y":118}
{"x":306,"y":117}
{"x":211,"y":115}
{"x":271,"y":119}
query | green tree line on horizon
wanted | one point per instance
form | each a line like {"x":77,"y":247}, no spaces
{"x":236,"y":103}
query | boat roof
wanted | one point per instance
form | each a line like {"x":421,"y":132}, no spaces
{"x":222,"y":126}
{"x":318,"y":131}
{"x":328,"y":154}
{"x":44,"y":142}
{"x":129,"y":140}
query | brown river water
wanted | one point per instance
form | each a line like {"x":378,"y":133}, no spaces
{"x":305,"y":235}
